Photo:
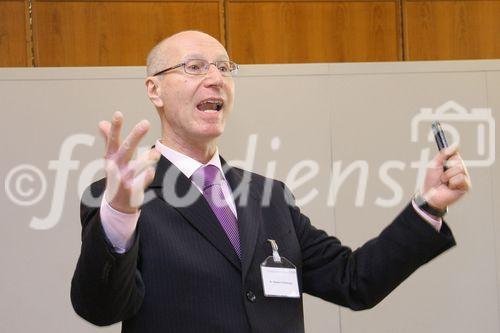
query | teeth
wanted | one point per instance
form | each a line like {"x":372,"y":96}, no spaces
{"x":213,"y":101}
{"x":215,"y":105}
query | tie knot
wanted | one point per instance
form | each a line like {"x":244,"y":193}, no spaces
{"x":207,"y":176}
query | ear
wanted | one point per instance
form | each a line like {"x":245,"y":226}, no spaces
{"x":154,"y":91}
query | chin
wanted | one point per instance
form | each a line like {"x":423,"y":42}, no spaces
{"x":212,"y":132}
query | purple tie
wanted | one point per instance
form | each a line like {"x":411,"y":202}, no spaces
{"x":208,"y":178}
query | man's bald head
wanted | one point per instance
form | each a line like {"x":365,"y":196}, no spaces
{"x":193,"y":108}
{"x":159,"y":56}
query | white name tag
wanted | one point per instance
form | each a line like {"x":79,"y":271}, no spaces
{"x":280,"y":282}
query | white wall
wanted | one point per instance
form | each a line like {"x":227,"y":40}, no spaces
{"x":325,"y":115}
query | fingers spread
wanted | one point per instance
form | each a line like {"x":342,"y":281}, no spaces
{"x":113,"y":180}
{"x":104,"y":128}
{"x":138,"y":166}
{"x":126,"y":179}
{"x":139,"y":185}
{"x":149,"y":176}
{"x":114,"y":134}
{"x":129,"y":145}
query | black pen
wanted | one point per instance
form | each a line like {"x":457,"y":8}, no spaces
{"x":440,"y":137}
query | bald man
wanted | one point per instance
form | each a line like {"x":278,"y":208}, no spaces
{"x":171,"y":247}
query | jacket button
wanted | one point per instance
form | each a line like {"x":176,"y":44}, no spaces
{"x":251,"y":296}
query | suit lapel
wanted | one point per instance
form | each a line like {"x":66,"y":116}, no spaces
{"x":248,"y":207}
{"x":197,"y":211}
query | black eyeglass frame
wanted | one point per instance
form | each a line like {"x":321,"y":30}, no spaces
{"x":183,"y":65}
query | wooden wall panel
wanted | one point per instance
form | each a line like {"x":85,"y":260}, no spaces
{"x":14,"y":41}
{"x":439,"y":30}
{"x":312,"y":31}
{"x":116,"y":32}
{"x":102,"y":33}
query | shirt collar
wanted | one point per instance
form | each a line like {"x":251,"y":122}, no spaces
{"x":186,"y":164}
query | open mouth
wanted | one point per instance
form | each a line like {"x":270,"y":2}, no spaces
{"x":211,"y":105}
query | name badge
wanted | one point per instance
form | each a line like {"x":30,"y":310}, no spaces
{"x":279,"y":275}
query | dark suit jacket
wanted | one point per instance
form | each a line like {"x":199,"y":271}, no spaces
{"x":182,"y":275}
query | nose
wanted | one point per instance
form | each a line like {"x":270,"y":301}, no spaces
{"x":214,"y":78}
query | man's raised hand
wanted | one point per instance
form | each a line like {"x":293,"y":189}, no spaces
{"x":444,"y":187}
{"x":126,"y":179}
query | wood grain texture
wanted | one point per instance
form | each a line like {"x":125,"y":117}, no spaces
{"x":312,"y":31}
{"x":100,"y":33}
{"x":441,"y":30}
{"x":13,"y":34}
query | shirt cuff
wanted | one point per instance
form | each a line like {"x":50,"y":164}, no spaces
{"x":436,"y":223}
{"x":119,"y":227}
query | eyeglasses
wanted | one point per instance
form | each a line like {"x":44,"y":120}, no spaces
{"x":201,"y":67}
